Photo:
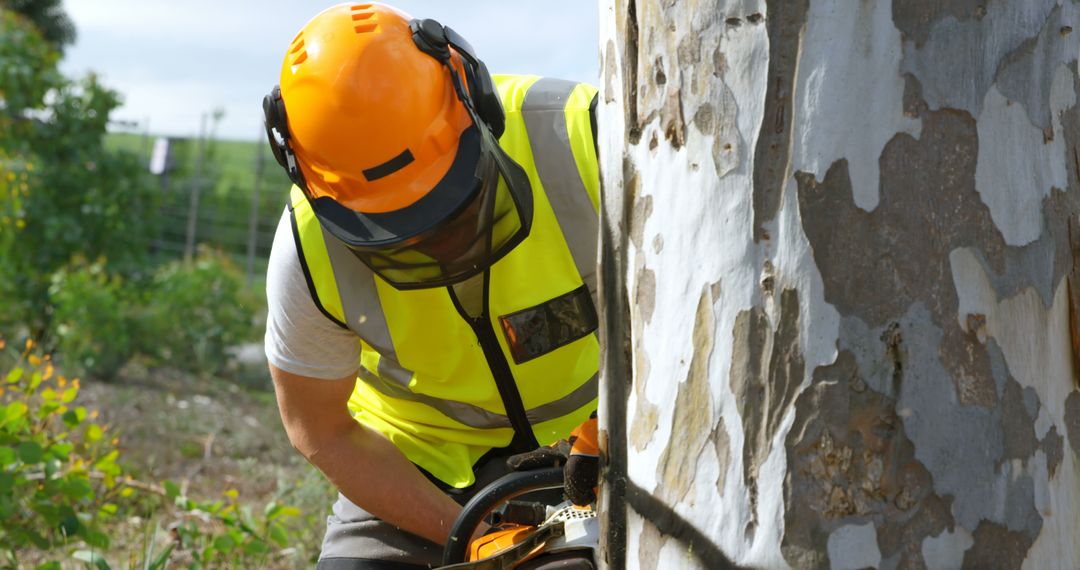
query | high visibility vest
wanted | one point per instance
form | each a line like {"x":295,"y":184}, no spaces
{"x":441,"y":385}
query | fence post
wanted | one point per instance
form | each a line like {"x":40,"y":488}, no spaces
{"x":196,"y":187}
{"x":253,"y":225}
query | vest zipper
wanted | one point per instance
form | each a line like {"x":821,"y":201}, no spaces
{"x":524,"y":440}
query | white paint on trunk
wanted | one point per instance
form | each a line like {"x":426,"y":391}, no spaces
{"x":1017,"y":165}
{"x":854,"y":546}
{"x":849,"y":99}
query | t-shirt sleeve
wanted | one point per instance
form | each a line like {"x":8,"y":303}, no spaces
{"x":299,"y":338}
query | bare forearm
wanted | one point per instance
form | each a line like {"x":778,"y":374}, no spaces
{"x":363,"y":464}
{"x":375,"y":475}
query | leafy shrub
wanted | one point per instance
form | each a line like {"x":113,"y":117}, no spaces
{"x":195,"y":311}
{"x":61,"y":191}
{"x":61,"y":487}
{"x":58,"y":471}
{"x":90,"y":320}
{"x":226,"y":533}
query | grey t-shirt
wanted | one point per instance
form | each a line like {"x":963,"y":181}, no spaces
{"x":299,"y":338}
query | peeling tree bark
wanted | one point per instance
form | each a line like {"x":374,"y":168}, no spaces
{"x":840,"y":282}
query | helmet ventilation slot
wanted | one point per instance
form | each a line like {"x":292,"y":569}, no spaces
{"x":364,"y":18}
{"x":297,"y":51}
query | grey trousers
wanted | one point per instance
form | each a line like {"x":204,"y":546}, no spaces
{"x":355,"y":539}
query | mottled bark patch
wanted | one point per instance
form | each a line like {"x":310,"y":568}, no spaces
{"x":850,"y":461}
{"x":766,"y":369}
{"x":963,"y":354}
{"x":893,"y":265}
{"x":1074,"y":323}
{"x":914,"y":18}
{"x":646,"y":420}
{"x":914,"y":106}
{"x":1018,"y":424}
{"x":997,"y":547}
{"x":610,"y":72}
{"x":646,"y":416}
{"x":1051,"y":445}
{"x":645,"y":295}
{"x":650,"y":542}
{"x":722,"y":444}
{"x":960,"y":59}
{"x":627,"y":24}
{"x":642,"y":210}
{"x":1070,"y":122}
{"x":1072,"y":421}
{"x":692,"y":419}
{"x":1026,"y":74}
{"x":876,"y":264}
{"x":785,"y":24}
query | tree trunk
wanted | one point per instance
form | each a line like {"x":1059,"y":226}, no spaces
{"x":839,"y":281}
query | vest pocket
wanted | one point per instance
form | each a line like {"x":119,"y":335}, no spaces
{"x":543,"y":328}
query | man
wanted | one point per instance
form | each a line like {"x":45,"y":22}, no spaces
{"x":431,"y":285}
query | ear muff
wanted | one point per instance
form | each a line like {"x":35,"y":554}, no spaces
{"x":434,"y":39}
{"x":275,"y":120}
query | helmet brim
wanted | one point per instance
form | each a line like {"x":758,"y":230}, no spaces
{"x":370,"y":231}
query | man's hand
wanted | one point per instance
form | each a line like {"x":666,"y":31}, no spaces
{"x":359,"y":461}
{"x":553,"y":455}
{"x":579,"y":454}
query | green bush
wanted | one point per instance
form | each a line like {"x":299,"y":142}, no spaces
{"x":89,"y":319}
{"x":62,"y":489}
{"x":58,"y":471}
{"x":193,"y":312}
{"x":227,"y":534}
{"x":62,"y":192}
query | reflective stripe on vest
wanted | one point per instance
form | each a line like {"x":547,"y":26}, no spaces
{"x":424,"y":380}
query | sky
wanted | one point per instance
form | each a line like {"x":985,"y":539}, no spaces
{"x":174,"y":62}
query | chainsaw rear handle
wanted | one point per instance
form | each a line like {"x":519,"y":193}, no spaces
{"x":503,"y":489}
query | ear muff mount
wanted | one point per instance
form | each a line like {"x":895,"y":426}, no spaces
{"x":434,"y":39}
{"x":276,"y":120}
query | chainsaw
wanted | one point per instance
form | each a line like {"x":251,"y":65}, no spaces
{"x":524,"y":535}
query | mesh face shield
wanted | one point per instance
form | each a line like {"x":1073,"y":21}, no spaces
{"x":477,"y":214}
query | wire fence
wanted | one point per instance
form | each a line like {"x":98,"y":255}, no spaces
{"x":227,"y":195}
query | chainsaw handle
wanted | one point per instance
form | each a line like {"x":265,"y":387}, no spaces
{"x":503,"y":489}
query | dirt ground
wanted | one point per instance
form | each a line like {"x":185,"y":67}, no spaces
{"x":209,"y":435}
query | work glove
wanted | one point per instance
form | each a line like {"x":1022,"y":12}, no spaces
{"x":582,"y":471}
{"x":580,"y":456}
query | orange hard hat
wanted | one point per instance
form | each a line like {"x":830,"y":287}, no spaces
{"x":374,"y":121}
{"x":390,"y":127}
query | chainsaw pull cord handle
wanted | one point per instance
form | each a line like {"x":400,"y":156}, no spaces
{"x":503,"y":489}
